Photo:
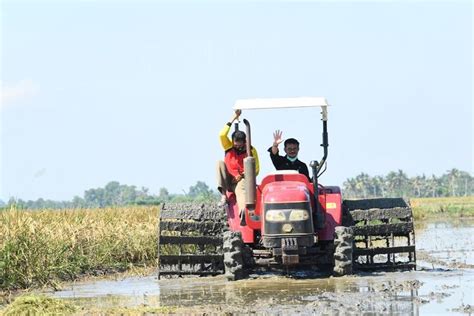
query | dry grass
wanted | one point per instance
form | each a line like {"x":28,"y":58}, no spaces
{"x":435,"y":207}
{"x":34,"y":304}
{"x":39,"y":248}
{"x":39,"y":305}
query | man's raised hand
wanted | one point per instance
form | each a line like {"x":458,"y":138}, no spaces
{"x":277,"y":138}
{"x":236,"y":115}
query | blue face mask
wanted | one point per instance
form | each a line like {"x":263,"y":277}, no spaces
{"x":292,"y":159}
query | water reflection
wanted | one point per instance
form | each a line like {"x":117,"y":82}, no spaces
{"x":266,"y":293}
{"x":450,"y":242}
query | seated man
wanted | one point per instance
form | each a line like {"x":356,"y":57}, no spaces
{"x":230,"y":172}
{"x":290,"y":161}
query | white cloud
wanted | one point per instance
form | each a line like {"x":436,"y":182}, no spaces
{"x":12,"y":92}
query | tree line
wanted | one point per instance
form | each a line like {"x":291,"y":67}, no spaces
{"x":116,"y":194}
{"x":395,"y":184}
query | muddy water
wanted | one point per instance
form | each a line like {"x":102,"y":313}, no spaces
{"x":442,"y":284}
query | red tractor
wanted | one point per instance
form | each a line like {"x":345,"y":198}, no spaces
{"x":290,"y":223}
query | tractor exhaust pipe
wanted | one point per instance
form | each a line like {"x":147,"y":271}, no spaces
{"x":325,"y":143}
{"x":250,"y":174}
{"x":249,"y":138}
{"x":315,"y":165}
{"x":316,"y":168}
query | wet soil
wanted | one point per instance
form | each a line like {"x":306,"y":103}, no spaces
{"x":442,"y":284}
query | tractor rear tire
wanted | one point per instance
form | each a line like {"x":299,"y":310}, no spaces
{"x":343,"y":248}
{"x":233,"y":256}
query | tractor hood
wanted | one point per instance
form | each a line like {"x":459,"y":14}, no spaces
{"x":285,"y":192}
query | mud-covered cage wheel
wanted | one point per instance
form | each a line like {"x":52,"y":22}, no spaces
{"x":343,"y":247}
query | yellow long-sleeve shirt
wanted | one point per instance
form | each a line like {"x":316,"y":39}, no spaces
{"x":227,"y":145}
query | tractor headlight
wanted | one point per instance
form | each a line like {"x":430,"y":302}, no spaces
{"x":299,"y":215}
{"x":275,"y":216}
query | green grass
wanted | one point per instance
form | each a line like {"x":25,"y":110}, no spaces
{"x":42,"y":248}
{"x":34,"y":304}
{"x":38,"y":305}
{"x":454,"y":207}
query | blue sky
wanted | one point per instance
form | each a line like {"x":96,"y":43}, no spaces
{"x":137,"y":91}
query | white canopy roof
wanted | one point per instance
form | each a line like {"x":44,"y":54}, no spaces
{"x":253,"y":104}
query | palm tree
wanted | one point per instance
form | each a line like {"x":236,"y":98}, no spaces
{"x":417,"y":184}
{"x":350,"y":187}
{"x":363,"y":183}
{"x":402,"y":182}
{"x":432,"y":185}
{"x":453,"y":175}
{"x":397,"y":183}
{"x":466,"y":182}
{"x":379,"y":185}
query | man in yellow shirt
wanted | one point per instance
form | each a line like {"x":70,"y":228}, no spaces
{"x":230,"y":171}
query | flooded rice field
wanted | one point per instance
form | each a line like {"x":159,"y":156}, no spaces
{"x":442,"y":284}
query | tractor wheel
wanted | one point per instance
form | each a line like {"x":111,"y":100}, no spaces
{"x":343,"y":241}
{"x":233,"y":256}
